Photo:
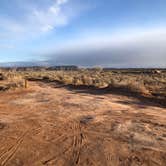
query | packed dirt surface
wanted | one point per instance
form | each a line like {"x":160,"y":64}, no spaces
{"x":49,"y":124}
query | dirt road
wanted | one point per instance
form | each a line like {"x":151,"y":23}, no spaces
{"x":52,"y":125}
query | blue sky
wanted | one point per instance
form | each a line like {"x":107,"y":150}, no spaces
{"x":114,"y":33}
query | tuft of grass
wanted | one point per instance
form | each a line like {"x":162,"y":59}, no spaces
{"x":146,"y":83}
{"x":11,"y":80}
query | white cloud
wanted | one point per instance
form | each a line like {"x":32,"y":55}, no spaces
{"x":46,"y":20}
{"x":47,"y":28}
{"x":54,"y":9}
{"x":120,"y":39}
{"x":130,"y":48}
{"x":31,"y":19}
{"x":59,"y":2}
{"x":36,"y":20}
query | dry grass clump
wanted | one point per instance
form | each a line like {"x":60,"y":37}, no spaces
{"x":140,"y":82}
{"x":10,"y":80}
{"x":135,"y":87}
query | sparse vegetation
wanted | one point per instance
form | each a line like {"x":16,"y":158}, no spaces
{"x":146,"y":83}
{"x":10,"y":80}
{"x":151,"y":84}
{"x":86,"y":112}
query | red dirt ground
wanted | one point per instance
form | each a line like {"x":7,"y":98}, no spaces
{"x":55,"y":126}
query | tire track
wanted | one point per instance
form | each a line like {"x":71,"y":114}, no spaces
{"x":62,"y":151}
{"x":79,"y":140}
{"x":104,"y":156}
{"x":58,"y":141}
{"x":7,"y":155}
{"x":55,"y":158}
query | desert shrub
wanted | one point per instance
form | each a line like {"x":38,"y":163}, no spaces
{"x":86,"y":80}
{"x":77,"y":81}
{"x":139,"y":82}
{"x":67,"y":80}
{"x":113,"y":83}
{"x":137,"y":87}
{"x":98,"y":69}
{"x":11,"y":80}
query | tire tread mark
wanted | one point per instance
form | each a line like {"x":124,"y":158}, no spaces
{"x":54,"y":158}
{"x":7,"y":155}
{"x":77,"y":143}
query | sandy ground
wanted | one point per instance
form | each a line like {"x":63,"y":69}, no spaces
{"x":51,"y":125}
